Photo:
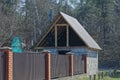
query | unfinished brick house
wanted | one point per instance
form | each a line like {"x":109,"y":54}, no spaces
{"x":66,"y":34}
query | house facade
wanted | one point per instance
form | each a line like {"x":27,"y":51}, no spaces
{"x":66,"y":34}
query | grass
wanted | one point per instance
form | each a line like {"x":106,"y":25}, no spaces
{"x":105,"y":78}
{"x":116,"y":76}
{"x":110,"y":78}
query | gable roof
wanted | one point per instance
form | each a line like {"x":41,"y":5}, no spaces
{"x":82,"y":33}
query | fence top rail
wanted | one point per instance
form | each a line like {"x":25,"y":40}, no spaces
{"x":5,"y":48}
{"x":30,"y":53}
{"x":42,"y":52}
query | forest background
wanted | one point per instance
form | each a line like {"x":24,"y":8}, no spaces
{"x":30,"y":19}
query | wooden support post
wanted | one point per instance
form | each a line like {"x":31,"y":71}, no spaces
{"x":70,"y":64}
{"x":55,"y":36}
{"x":67,"y":35}
{"x":47,"y":66}
{"x":85,"y":63}
{"x":9,"y":62}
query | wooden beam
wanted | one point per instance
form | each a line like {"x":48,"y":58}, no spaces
{"x":61,"y":25}
{"x":39,"y":48}
{"x":60,"y":20}
{"x":67,"y":35}
{"x":55,"y":36}
{"x":49,"y":29}
{"x":43,"y":41}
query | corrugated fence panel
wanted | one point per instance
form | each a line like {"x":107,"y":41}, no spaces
{"x":29,"y":66}
{"x":78,"y":64}
{"x":59,"y":65}
{"x":2,"y":66}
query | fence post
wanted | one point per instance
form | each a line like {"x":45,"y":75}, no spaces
{"x":47,"y":66}
{"x":94,"y":77}
{"x":106,"y":73}
{"x":102,"y":75}
{"x":90,"y":77}
{"x":9,"y":62}
{"x":99,"y":76}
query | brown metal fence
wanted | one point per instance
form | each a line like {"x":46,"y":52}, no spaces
{"x":2,"y":66}
{"x":29,"y":66}
{"x":78,"y":64}
{"x":59,"y":65}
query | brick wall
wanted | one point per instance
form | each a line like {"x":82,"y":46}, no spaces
{"x":9,"y":62}
{"x":10,"y":65}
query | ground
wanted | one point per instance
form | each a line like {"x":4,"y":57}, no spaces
{"x":116,"y":76}
{"x":84,"y":78}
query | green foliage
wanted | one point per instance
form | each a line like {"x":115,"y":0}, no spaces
{"x":101,"y":18}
